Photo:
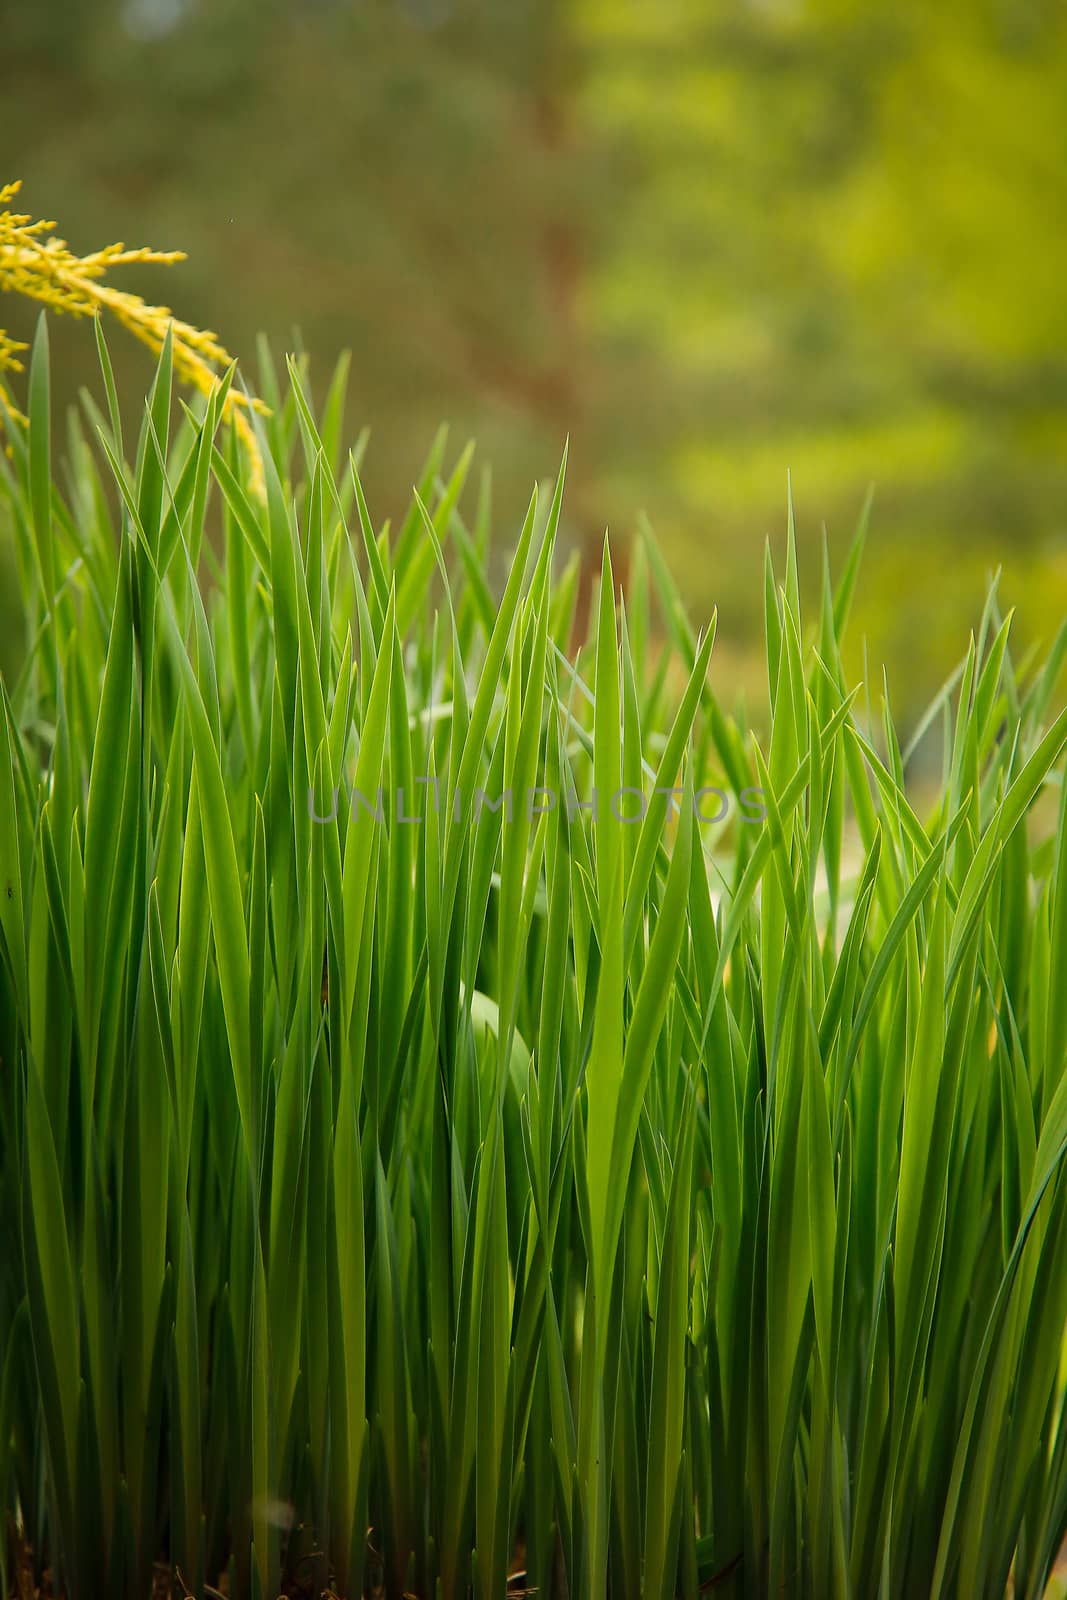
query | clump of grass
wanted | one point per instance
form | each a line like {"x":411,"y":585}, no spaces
{"x":520,"y":1196}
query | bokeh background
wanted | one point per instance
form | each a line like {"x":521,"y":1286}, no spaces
{"x":713,"y":242}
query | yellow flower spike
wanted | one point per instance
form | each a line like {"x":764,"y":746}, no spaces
{"x":42,"y":267}
{"x":9,"y":353}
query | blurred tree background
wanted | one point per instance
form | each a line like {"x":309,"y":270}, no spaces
{"x":712,"y":241}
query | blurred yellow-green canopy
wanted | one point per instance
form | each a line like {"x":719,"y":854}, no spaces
{"x":713,"y":242}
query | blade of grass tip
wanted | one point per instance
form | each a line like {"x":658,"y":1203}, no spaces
{"x":113,"y":410}
{"x":633,"y":767}
{"x":309,"y":433}
{"x":1038,"y":697}
{"x":179,"y":496}
{"x":483,"y":515}
{"x":671,"y":603}
{"x":772,"y":626}
{"x":847,"y":584}
{"x":669,"y":765}
{"x":474,"y":571}
{"x":541,"y":582}
{"x":989,"y":608}
{"x":431,"y":467}
{"x":905,"y":914}
{"x":607,"y":746}
{"x":415,"y":563}
{"x":282,"y":569}
{"x":333,"y":411}
{"x":275,"y":422}
{"x":246,"y":518}
{"x":1014,"y":807}
{"x":202,"y":475}
{"x":523,"y":743}
{"x":744,"y":894}
{"x":638,"y":599}
{"x":240,"y":614}
{"x":792,"y":575}
{"x":151,"y":461}
{"x":471,"y":752}
{"x":565,"y":601}
{"x":990,"y":691}
{"x":379,"y":577}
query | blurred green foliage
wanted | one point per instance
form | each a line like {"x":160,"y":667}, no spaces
{"x":712,"y":242}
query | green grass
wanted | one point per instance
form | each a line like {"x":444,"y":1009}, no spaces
{"x":608,"y":1208}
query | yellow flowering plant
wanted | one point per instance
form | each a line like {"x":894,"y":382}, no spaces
{"x":37,"y":264}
